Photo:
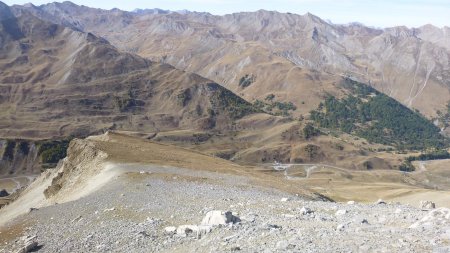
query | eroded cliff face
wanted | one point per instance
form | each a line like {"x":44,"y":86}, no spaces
{"x":84,"y":162}
{"x":75,"y":176}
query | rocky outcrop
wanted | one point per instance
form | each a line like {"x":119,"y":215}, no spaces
{"x":84,"y":161}
{"x":434,"y":220}
{"x":30,"y":244}
{"x":427,"y":204}
{"x":3,"y":193}
{"x":215,"y":218}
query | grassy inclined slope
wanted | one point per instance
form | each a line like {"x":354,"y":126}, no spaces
{"x":286,"y":53}
{"x":56,"y":82}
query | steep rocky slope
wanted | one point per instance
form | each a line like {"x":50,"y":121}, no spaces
{"x":411,"y":65}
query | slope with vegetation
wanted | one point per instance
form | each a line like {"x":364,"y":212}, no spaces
{"x":378,"y":118}
{"x":58,"y":82}
{"x":411,"y":65}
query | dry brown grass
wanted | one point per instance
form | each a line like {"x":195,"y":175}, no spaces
{"x":124,"y":149}
{"x":337,"y":184}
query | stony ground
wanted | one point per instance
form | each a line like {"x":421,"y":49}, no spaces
{"x":131,"y":212}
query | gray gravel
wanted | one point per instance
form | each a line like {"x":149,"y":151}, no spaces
{"x":129,"y":215}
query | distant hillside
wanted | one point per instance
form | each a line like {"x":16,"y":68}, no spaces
{"x":378,"y":118}
{"x":288,"y":54}
{"x":58,"y":82}
{"x":61,"y":79}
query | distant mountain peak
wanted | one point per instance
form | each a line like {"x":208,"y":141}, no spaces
{"x":151,"y":11}
{"x":29,"y":5}
{"x":184,"y":11}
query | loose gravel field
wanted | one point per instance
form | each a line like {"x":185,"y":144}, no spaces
{"x":130,"y":214}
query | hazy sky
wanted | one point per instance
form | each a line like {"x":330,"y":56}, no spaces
{"x":380,"y":13}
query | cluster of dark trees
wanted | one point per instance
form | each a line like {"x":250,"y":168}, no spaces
{"x":378,"y":118}
{"x":53,"y":151}
{"x":275,"y":107}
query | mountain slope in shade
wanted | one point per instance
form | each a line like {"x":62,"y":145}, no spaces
{"x":410,"y":65}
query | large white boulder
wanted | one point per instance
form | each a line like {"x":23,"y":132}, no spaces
{"x":436,"y":218}
{"x":216,"y":217}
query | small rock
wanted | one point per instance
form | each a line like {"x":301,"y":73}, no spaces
{"x":274,"y":226}
{"x":185,"y":230}
{"x":29,"y":239}
{"x":3,"y":193}
{"x":29,"y":245}
{"x":340,"y":212}
{"x":229,"y":238}
{"x":351,"y":202}
{"x":143,"y":233}
{"x":170,"y":230}
{"x":305,"y":210}
{"x":364,"y":221}
{"x":203,"y":229}
{"x":380,"y":202}
{"x":398,"y":210}
{"x":109,"y":209}
{"x":215,"y":218}
{"x":76,"y":219}
{"x":193,"y":230}
{"x":341,"y":227}
{"x":282,"y":245}
{"x":285,"y":199}
{"x":427,"y":205}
